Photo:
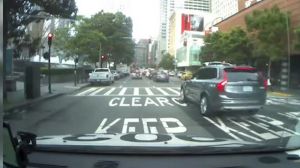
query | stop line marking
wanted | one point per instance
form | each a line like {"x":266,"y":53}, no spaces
{"x":130,"y":91}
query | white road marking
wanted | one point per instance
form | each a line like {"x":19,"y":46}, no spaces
{"x":276,"y":124}
{"x":86,"y":91}
{"x":271,"y":136}
{"x":246,"y":128}
{"x":110,"y":91}
{"x":162,"y":91}
{"x":135,"y":91}
{"x":149,"y":92}
{"x":102,"y":129}
{"x":97,"y":91}
{"x":172,"y":130}
{"x":122,"y":92}
{"x":153,"y":130}
{"x":174,"y":91}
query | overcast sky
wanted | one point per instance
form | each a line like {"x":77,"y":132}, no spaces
{"x":144,"y":13}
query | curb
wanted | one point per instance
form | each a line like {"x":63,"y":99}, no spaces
{"x":29,"y":103}
{"x":14,"y":109}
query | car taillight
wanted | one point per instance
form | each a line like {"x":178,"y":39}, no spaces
{"x":266,"y":84}
{"x":221,"y":85}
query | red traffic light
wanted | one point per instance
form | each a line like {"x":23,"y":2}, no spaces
{"x":50,"y":36}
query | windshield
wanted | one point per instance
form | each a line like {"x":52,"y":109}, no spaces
{"x":236,"y":75}
{"x":168,"y":87}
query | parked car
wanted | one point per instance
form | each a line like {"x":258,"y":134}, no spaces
{"x":160,"y":77}
{"x":187,"y":75}
{"x":223,"y":88}
{"x":101,"y":75}
{"x":115,"y":74}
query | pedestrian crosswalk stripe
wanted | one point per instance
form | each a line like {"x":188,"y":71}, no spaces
{"x":129,"y":91}
{"x":122,"y":92}
{"x":174,"y":91}
{"x":97,"y":91}
{"x":162,"y":91}
{"x":86,"y":91}
{"x":110,"y":91}
{"x":135,"y":91}
{"x":149,"y":92}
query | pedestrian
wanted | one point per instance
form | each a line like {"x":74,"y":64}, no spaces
{"x":269,"y":84}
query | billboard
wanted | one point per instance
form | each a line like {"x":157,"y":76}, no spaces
{"x":192,"y":23}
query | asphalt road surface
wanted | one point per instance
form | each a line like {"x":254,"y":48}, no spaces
{"x":144,"y":106}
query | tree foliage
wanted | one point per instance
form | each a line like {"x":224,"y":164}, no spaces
{"x":112,"y":32}
{"x":234,"y":46}
{"x":297,"y":43}
{"x":269,"y":29}
{"x":167,"y":62}
{"x":19,"y":13}
{"x":264,"y":39}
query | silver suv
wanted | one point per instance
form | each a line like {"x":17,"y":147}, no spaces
{"x":221,"y":88}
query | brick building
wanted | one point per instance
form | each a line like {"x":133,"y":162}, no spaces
{"x":291,"y":6}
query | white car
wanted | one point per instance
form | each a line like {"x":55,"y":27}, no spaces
{"x":101,"y":75}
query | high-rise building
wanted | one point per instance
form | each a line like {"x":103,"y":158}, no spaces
{"x":141,"y":53}
{"x":224,"y":8}
{"x":167,"y":8}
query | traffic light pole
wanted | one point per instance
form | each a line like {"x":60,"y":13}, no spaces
{"x":49,"y":71}
{"x":75,"y":75}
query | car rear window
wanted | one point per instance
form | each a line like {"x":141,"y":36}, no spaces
{"x":242,"y":74}
{"x":101,"y":70}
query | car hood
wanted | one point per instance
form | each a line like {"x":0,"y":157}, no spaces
{"x":147,"y":144}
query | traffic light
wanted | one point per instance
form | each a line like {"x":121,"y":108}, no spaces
{"x":50,"y":36}
{"x":46,"y":55}
{"x":102,"y":57}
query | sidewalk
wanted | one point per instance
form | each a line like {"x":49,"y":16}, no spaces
{"x":17,"y":98}
{"x":276,"y":92}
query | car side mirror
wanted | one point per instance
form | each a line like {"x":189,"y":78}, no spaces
{"x":10,"y":155}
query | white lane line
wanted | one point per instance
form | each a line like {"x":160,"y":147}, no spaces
{"x":135,"y":91}
{"x":86,"y":91}
{"x":122,"y":92}
{"x":149,"y":92}
{"x":162,"y":91}
{"x":109,"y":92}
{"x":174,"y":91}
{"x":97,"y":91}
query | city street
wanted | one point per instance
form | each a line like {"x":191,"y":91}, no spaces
{"x":144,"y":106}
